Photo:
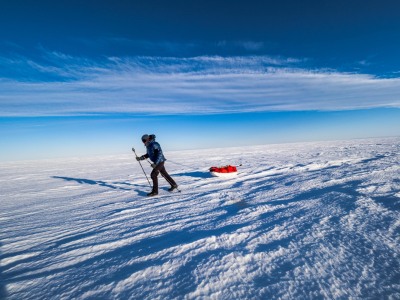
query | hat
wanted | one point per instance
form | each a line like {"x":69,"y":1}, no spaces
{"x":145,"y":137}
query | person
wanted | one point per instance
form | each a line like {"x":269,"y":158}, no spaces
{"x":156,"y":155}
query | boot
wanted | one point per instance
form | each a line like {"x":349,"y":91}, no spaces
{"x":173,"y":187}
{"x":152,"y":193}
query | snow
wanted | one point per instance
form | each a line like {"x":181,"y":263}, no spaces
{"x":299,"y":221}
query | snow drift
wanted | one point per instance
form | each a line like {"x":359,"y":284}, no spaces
{"x":299,"y":221}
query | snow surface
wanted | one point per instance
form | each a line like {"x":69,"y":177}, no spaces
{"x":299,"y":221}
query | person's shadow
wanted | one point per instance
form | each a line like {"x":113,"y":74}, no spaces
{"x":89,"y":181}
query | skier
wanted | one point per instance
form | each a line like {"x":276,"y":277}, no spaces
{"x":155,"y":154}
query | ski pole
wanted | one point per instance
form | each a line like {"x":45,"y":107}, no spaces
{"x":133,"y":149}
{"x":165,"y":177}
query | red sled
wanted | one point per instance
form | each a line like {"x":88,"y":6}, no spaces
{"x":225,"y":171}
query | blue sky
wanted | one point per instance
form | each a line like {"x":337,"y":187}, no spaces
{"x":90,"y":77}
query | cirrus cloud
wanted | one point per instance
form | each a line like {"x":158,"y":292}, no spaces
{"x":65,"y":85}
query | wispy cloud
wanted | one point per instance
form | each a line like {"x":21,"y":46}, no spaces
{"x":65,"y":85}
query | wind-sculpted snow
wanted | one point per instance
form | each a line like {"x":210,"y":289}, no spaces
{"x":299,"y":221}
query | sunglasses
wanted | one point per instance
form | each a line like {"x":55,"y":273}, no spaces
{"x":144,"y":140}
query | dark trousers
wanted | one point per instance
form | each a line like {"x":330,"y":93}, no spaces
{"x":160,"y":169}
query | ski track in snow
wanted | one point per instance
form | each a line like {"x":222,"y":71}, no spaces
{"x":299,"y":221}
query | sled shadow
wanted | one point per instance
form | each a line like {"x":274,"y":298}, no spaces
{"x":197,"y":174}
{"x":91,"y":182}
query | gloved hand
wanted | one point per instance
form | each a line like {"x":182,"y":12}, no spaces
{"x":153,"y":165}
{"x":140,"y":158}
